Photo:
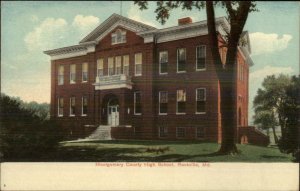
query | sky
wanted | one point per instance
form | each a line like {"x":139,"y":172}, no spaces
{"x":29,"y":28}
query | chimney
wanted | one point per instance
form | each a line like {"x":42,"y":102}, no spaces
{"x":184,"y":21}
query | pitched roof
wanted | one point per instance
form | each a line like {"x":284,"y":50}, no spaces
{"x":113,"y":19}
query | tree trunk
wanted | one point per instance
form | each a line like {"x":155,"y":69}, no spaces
{"x":275,"y":136}
{"x":227,"y":73}
{"x":228,"y":114}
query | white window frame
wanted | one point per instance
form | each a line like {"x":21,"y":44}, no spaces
{"x":202,"y":69}
{"x":58,"y":107}
{"x":116,"y":63}
{"x":177,"y":132}
{"x":71,"y":81}
{"x":134,"y":105}
{"x":72,"y":115}
{"x":82,"y":72}
{"x":99,"y":68}
{"x":160,"y":53}
{"x":108,"y":66}
{"x":177,"y":51}
{"x":159,"y":113}
{"x":60,"y":75}
{"x":135,"y":64}
{"x":115,"y":35}
{"x":197,"y":100}
{"x":82,"y":114}
{"x":177,"y":113}
{"x":124,"y":56}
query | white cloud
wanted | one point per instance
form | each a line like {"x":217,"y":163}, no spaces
{"x":263,"y":43}
{"x":269,"y":70}
{"x":46,"y":35}
{"x":135,"y":14}
{"x":85,"y":23}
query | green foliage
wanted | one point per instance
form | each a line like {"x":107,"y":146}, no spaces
{"x":291,"y":109}
{"x":24,"y":134}
{"x":278,"y":104}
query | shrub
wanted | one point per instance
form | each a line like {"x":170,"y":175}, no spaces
{"x":25,"y":135}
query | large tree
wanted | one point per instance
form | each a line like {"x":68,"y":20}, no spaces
{"x":271,"y":98}
{"x":237,"y":12}
{"x":289,"y":143}
{"x":266,"y":119}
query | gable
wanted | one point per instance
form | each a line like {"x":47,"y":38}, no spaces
{"x":110,"y":24}
{"x":131,"y":37}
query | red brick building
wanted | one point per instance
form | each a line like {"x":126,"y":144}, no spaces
{"x":143,"y":82}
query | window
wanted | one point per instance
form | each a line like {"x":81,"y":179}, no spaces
{"x":200,"y":132}
{"x":137,"y":103}
{"x":100,"y":67}
{"x":84,"y":105}
{"x":118,"y":65}
{"x":200,"y":100}
{"x":181,"y":98}
{"x":118,"y":37}
{"x":110,"y":66}
{"x":60,"y":106}
{"x":163,"y":102}
{"x":200,"y":57}
{"x":126,"y":65}
{"x":181,"y":59}
{"x":60,"y":75}
{"x":180,"y":132}
{"x":72,"y":74}
{"x":163,"y":62}
{"x":163,"y":131}
{"x":138,"y":64}
{"x":72,"y":106}
{"x":84,"y":72}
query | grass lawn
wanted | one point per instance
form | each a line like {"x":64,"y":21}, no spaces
{"x":136,"y":151}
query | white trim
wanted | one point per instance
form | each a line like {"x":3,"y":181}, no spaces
{"x":123,"y":63}
{"x":164,"y":51}
{"x":82,"y":106}
{"x":72,"y":82}
{"x":200,"y":113}
{"x":135,"y":74}
{"x":59,"y":115}
{"x":202,"y":69}
{"x":98,"y":68}
{"x":134,"y":102}
{"x":159,"y":103}
{"x":84,"y":81}
{"x":200,"y":100}
{"x":177,"y":113}
{"x":70,"y":105}
{"x":177,"y":50}
{"x":113,"y":64}
{"x":112,"y":86}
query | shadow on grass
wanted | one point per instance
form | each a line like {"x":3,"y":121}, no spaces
{"x":84,"y":154}
{"x":144,"y":142}
{"x":272,"y":157}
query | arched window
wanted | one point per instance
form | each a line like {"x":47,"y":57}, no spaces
{"x":118,"y":37}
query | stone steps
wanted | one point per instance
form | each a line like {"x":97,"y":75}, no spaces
{"x":103,"y":132}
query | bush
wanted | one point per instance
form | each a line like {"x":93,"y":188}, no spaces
{"x":25,"y":136}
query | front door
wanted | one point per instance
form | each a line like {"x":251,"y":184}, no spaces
{"x":113,"y":115}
